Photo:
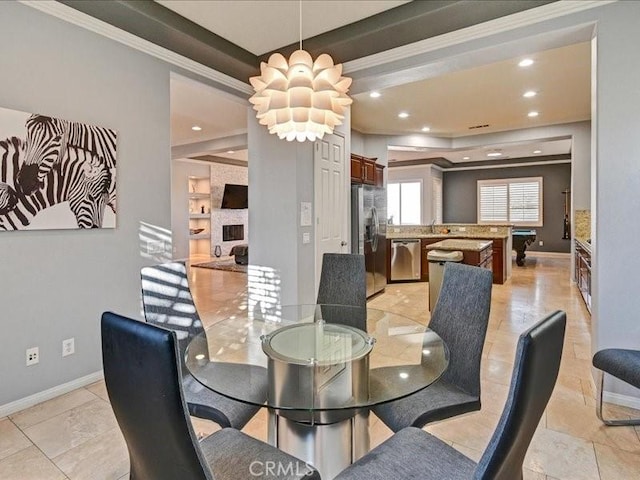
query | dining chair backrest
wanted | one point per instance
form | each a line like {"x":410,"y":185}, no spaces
{"x":534,"y":375}
{"x":342,"y":280}
{"x":167,"y":301}
{"x":150,"y":408}
{"x":460,"y":318}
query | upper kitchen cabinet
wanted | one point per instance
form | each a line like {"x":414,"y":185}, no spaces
{"x":366,"y":170}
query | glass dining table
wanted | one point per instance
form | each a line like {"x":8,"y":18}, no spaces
{"x":318,"y":369}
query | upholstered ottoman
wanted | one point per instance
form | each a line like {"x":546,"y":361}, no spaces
{"x":241,"y":254}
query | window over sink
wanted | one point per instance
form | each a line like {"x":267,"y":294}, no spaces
{"x":404,"y":202}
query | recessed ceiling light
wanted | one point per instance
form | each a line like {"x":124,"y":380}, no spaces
{"x":537,"y":151}
{"x":533,"y":114}
{"x":425,"y":129}
{"x":403,"y":115}
{"x":375,"y":94}
{"x":465,"y":158}
{"x":494,"y":154}
{"x":196,"y":128}
{"x":231,"y":151}
{"x":525,"y":62}
{"x":529,"y":94}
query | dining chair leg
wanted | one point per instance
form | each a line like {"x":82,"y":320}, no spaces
{"x":599,"y":395}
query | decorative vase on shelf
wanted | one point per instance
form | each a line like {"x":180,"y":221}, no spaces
{"x":217,"y":251}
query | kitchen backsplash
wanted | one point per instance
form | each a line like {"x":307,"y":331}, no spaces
{"x":454,"y":228}
{"x":582,"y":227}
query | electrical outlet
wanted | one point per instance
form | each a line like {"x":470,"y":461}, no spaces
{"x":68,"y":347}
{"x":33,"y":356}
{"x":541,"y":243}
{"x":493,"y":229}
{"x":462,"y":229}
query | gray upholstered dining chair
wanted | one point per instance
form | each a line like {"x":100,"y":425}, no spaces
{"x":414,"y":453}
{"x":460,"y":318}
{"x":152,"y":414}
{"x":167,"y":302}
{"x":623,"y":364}
{"x":343,"y":282}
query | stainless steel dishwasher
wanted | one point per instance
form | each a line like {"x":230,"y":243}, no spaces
{"x":405,"y":259}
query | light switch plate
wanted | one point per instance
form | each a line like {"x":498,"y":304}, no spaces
{"x":306,"y":238}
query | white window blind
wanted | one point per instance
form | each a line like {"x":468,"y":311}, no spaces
{"x":517,"y":201}
{"x":436,"y":199}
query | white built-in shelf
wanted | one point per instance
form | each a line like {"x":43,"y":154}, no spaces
{"x":199,"y":195}
{"x":199,"y":215}
{"x":200,"y":236}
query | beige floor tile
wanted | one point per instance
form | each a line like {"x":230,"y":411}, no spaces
{"x":203,"y":428}
{"x":615,"y":464}
{"x":104,"y":457}
{"x":562,"y":456}
{"x":12,"y":439}
{"x":257,"y":427}
{"x":579,"y":420}
{"x":29,"y":464}
{"x":99,"y":389}
{"x":51,"y":408}
{"x":473,"y":430}
{"x":72,"y":428}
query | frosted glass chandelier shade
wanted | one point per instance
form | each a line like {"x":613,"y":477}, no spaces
{"x":300,"y":99}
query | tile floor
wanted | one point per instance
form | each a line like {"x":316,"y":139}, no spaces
{"x":75,"y":436}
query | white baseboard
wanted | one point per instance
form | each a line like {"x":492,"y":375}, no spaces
{"x":622,"y":400}
{"x":534,"y":253}
{"x":31,"y":400}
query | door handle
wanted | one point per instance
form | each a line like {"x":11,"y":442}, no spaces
{"x":343,"y":243}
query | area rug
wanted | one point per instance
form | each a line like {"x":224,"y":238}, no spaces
{"x":226,"y":265}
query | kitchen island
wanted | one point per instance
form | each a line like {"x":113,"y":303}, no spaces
{"x":478,"y":253}
{"x":499,"y":235}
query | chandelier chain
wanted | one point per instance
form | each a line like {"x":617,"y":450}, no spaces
{"x":300,"y":21}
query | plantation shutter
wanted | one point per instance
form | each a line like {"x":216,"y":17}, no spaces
{"x":493,"y":203}
{"x":524,"y":202}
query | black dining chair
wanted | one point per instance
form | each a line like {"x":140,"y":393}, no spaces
{"x":415,"y":454}
{"x":460,"y":318}
{"x":343,"y":282}
{"x":151,"y":412}
{"x":620,"y":363}
{"x":167,"y":302}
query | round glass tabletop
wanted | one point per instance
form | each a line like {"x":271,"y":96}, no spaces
{"x":317,"y":357}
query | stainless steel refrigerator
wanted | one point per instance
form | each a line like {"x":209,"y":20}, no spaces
{"x":369,"y":233}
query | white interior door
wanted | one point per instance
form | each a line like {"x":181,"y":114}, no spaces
{"x":330,"y":193}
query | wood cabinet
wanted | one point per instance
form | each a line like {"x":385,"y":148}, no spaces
{"x":583,"y":272}
{"x":499,"y":264}
{"x":366,"y":170}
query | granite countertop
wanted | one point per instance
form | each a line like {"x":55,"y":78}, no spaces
{"x":400,"y":235}
{"x":453,"y":244}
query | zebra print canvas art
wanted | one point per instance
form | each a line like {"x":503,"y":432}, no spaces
{"x":55,"y":174}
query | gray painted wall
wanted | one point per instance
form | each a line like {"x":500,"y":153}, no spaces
{"x":55,"y":284}
{"x":460,"y":200}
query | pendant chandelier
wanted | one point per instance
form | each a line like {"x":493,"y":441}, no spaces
{"x":300,"y":99}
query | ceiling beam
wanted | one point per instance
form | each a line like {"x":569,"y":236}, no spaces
{"x":408,"y":23}
{"x":157,"y":24}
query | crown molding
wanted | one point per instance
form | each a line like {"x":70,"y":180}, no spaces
{"x":92,"y":24}
{"x":475,"y":32}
